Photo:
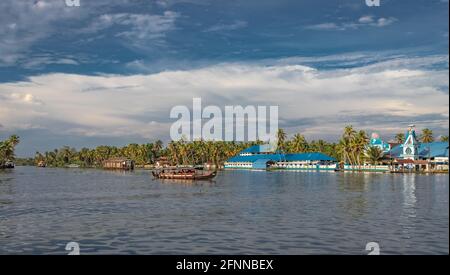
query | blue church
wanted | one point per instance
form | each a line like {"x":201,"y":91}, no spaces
{"x":413,"y":154}
{"x":434,"y":152}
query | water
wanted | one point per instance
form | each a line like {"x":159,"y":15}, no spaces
{"x":242,"y":212}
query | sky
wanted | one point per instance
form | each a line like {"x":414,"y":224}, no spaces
{"x":109,"y":71}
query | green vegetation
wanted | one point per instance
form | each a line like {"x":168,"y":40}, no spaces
{"x":444,"y":139}
{"x":373,"y":155}
{"x":352,"y":149}
{"x":177,"y":152}
{"x":352,"y":146}
{"x":281,"y":140}
{"x":24,"y":161}
{"x":400,"y":138}
{"x":427,"y":136}
{"x":7,"y":150}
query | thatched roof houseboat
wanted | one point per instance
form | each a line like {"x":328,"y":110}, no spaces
{"x":162,"y":162}
{"x":119,"y":163}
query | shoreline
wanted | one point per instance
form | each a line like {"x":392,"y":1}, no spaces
{"x":250,"y":169}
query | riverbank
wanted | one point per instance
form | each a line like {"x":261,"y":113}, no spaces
{"x":355,"y":171}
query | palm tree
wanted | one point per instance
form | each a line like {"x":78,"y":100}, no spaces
{"x":298,"y":144}
{"x":427,"y":136}
{"x":156,"y":149}
{"x":361,"y":142}
{"x":349,"y":132}
{"x":373,"y":154}
{"x":320,"y":146}
{"x":400,"y":138}
{"x":352,"y":145}
{"x":343,"y":149}
{"x":7,"y":148}
{"x":14,"y":140}
{"x":281,"y":140}
{"x":348,"y":145}
{"x":444,"y":138}
{"x":173,"y":154}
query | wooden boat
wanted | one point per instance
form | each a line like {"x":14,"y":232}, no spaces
{"x":118,"y":163}
{"x":183,"y":174}
{"x":9,"y":165}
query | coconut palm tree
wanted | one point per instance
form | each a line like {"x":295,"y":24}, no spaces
{"x":349,"y":132}
{"x":427,"y":136}
{"x":373,"y":154}
{"x":298,"y":144}
{"x":344,"y":150}
{"x":444,"y":139}
{"x":281,"y":140}
{"x":7,"y":148}
{"x":361,"y":142}
{"x":352,"y":146}
{"x":348,"y":145}
{"x":400,"y":138}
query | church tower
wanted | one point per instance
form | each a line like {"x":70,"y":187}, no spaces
{"x":411,"y":145}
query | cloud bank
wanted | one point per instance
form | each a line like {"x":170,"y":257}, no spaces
{"x":383,"y":97}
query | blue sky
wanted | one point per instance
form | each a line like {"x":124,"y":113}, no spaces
{"x":109,"y":71}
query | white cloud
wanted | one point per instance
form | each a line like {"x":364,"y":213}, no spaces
{"x":142,"y":29}
{"x":114,"y":105}
{"x":382,"y":22}
{"x":142,"y":26}
{"x":25,"y":23}
{"x":364,"y":21}
{"x":39,"y":61}
{"x":238,"y":24}
{"x":323,"y":26}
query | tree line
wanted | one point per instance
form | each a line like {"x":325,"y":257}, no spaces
{"x":352,"y":148}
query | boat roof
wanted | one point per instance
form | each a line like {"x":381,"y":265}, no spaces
{"x":316,"y":156}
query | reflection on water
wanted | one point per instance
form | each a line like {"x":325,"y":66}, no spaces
{"x":240,"y":212}
{"x":353,"y":187}
{"x":409,"y":195}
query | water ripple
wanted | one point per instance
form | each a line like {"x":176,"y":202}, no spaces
{"x":242,"y":212}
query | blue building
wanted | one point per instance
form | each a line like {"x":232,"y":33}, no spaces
{"x":415,"y":155}
{"x":414,"y":150}
{"x":376,"y":141}
{"x":263,"y":157}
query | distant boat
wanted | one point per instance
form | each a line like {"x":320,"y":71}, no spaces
{"x":183,"y":174}
{"x":8,"y":165}
{"x":119,"y":163}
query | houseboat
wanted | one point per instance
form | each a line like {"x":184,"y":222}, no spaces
{"x":119,"y":164}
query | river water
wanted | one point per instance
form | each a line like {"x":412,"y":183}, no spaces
{"x":240,"y":212}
